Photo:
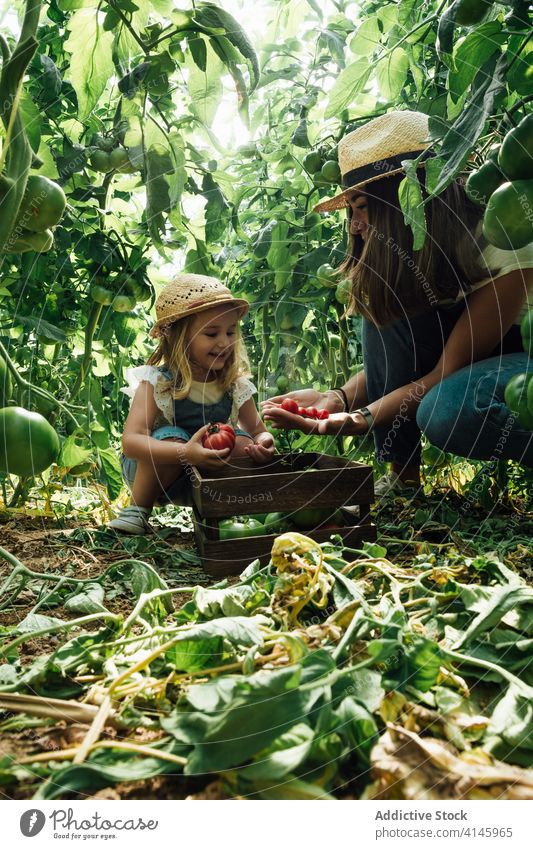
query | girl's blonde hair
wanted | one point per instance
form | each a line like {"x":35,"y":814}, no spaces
{"x":173,"y":352}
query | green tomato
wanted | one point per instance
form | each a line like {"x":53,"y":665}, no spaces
{"x":483,"y":182}
{"x":526,"y":329}
{"x":331,"y":171}
{"x":312,"y":162}
{"x":28,"y":443}
{"x":507,"y":220}
{"x":6,"y":385}
{"x":310,"y":517}
{"x":29,"y":241}
{"x":282,"y":383}
{"x":42,"y":206}
{"x":516,"y":153}
{"x":239,"y":527}
{"x":343,"y":292}
{"x":101,"y":295}
{"x":276,"y":523}
{"x":100,"y":161}
{"x":123,"y":303}
{"x":327,"y":275}
{"x":470,"y":12}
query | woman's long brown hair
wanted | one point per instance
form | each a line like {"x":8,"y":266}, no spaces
{"x":389,"y":279}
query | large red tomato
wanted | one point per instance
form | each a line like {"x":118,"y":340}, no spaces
{"x":219,"y":436}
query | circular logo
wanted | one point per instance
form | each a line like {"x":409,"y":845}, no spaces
{"x":32,"y":822}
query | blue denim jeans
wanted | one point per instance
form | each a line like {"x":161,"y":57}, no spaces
{"x":465,"y":413}
{"x":179,"y":492}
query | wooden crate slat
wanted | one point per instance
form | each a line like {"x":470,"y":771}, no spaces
{"x":232,"y":556}
{"x":329,"y":482}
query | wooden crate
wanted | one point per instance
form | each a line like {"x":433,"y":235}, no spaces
{"x":287,"y":483}
{"x":232,"y":556}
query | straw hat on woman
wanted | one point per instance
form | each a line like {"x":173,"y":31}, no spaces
{"x":440,"y":324}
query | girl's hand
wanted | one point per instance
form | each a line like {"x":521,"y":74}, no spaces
{"x":263,"y":449}
{"x":193,"y":453}
{"x":281,"y":418}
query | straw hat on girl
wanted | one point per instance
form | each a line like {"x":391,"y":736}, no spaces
{"x":188,"y":294}
{"x":376,"y":150}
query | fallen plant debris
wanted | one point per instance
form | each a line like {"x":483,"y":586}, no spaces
{"x":309,"y":676}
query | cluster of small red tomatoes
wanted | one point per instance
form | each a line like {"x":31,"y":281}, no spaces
{"x":290,"y":405}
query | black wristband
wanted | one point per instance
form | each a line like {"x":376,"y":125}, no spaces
{"x":344,"y":398}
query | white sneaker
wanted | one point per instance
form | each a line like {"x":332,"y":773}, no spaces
{"x":389,"y":484}
{"x":132,"y":520}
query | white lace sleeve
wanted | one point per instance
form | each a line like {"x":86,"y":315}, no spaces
{"x":243,"y":390}
{"x":162,"y":389}
{"x":135,"y":377}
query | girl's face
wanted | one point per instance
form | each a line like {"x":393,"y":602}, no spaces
{"x":212,"y":339}
{"x":358,"y":221}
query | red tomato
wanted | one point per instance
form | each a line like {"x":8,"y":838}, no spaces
{"x":219,"y":436}
{"x":311,"y":413}
{"x":302,"y":411}
{"x":322,"y":414}
{"x":290,"y":405}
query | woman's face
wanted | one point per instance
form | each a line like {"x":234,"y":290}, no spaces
{"x":358,"y":221}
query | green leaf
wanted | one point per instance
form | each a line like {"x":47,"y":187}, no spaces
{"x":391,"y":73}
{"x":212,"y":15}
{"x":520,"y":75}
{"x":349,"y":84}
{"x":37,"y":622}
{"x":51,"y":77}
{"x":489,"y":84}
{"x":89,"y":600}
{"x":234,"y":717}
{"x":205,"y":87}
{"x":97,"y":773}
{"x":491,"y":612}
{"x":229,"y":601}
{"x":512,"y":719}
{"x":198,"y":49}
{"x":412,"y":204}
{"x":283,"y":756}
{"x":358,"y":726}
{"x":91,"y":65}
{"x":446,"y":32}
{"x":367,"y":38}
{"x":72,"y":454}
{"x":471,"y":53}
{"x":112,"y":471}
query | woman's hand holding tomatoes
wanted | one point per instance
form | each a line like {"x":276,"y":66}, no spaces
{"x":289,"y":419}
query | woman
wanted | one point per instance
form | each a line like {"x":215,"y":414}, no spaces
{"x":440,"y":325}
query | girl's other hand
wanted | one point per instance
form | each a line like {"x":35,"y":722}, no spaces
{"x":195,"y":454}
{"x":263,"y":449}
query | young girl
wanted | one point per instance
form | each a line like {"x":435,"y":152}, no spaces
{"x":198,"y":375}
